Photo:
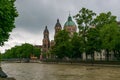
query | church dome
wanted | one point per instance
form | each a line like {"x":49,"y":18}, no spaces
{"x":69,"y":22}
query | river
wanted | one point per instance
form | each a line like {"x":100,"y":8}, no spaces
{"x":37,"y":71}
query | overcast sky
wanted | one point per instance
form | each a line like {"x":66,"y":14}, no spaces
{"x":34,"y":15}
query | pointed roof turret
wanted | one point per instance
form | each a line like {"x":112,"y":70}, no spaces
{"x":69,"y":18}
{"x":46,"y":30}
{"x":57,"y":20}
{"x":58,"y":23}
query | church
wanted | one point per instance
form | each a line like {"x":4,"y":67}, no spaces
{"x":69,"y":26}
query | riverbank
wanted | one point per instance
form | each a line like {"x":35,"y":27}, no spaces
{"x":86,"y":63}
{"x":82,"y":63}
{"x":7,"y":79}
{"x":97,"y":65}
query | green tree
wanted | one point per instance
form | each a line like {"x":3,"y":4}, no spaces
{"x":63,"y":50}
{"x":109,"y":34}
{"x":23,"y":51}
{"x":27,"y":50}
{"x":100,"y":21}
{"x":117,"y":44}
{"x":61,"y":37}
{"x":84,"y":19}
{"x":8,"y":13}
{"x":36,"y":51}
{"x":103,"y":19}
{"x":62,"y":46}
{"x":77,"y":49}
{"x":93,"y":42}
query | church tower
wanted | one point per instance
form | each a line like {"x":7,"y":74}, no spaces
{"x":70,"y":26}
{"x":57,"y":27}
{"x":46,"y":41}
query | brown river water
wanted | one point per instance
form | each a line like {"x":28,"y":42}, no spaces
{"x":37,"y":71}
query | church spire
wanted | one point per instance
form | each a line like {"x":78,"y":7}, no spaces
{"x":69,"y":17}
{"x":46,"y":33}
{"x":57,"y":27}
{"x":46,"y":41}
{"x":57,"y":20}
{"x":57,"y":24}
{"x":46,"y":30}
{"x":69,"y":13}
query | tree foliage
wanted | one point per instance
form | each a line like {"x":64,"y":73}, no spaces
{"x":84,"y":20}
{"x":23,"y":51}
{"x":93,"y":42}
{"x":8,"y":13}
{"x":103,"y":19}
{"x":77,"y":48}
{"x":62,"y":46}
{"x":67,"y":47}
{"x":109,"y":34}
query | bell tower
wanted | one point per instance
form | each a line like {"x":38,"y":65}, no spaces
{"x":46,"y":41}
{"x":57,"y":27}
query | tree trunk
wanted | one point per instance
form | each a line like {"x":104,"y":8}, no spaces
{"x":100,"y":56}
{"x":115,"y":54}
{"x":119,"y":54}
{"x":86,"y":57}
{"x":107,"y":55}
{"x":92,"y":58}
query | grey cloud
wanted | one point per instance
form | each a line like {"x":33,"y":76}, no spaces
{"x":35,"y":14}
